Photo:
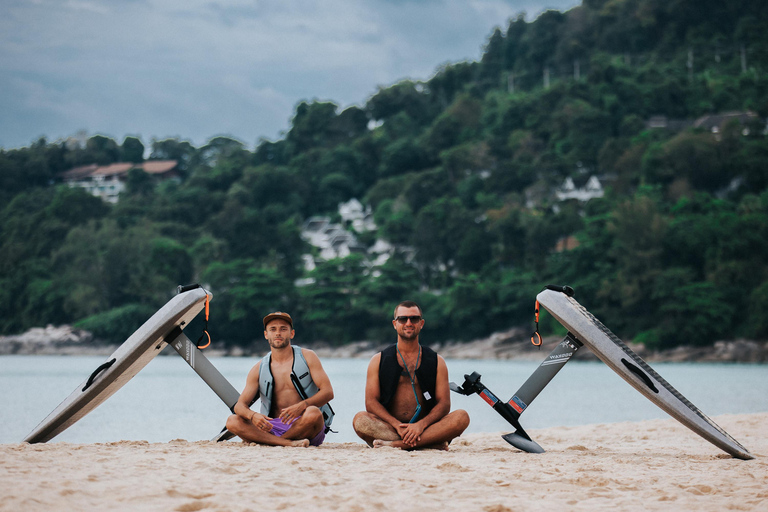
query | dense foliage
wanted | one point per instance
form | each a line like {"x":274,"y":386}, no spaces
{"x":460,"y":171}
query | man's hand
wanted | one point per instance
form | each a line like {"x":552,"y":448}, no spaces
{"x":289,"y":414}
{"x":261,"y":422}
{"x":410,"y":433}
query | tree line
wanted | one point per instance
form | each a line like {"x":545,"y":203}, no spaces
{"x":459,"y":171}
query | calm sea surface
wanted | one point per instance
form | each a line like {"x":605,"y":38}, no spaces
{"x":167,"y":400}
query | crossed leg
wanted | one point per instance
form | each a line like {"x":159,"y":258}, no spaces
{"x":376,"y":432}
{"x":307,"y":426}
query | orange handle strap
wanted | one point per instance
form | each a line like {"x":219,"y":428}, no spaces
{"x":537,"y":340}
{"x":205,"y":330}
{"x":205,"y":333}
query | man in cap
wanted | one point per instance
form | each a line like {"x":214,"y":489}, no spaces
{"x":407,"y":395}
{"x":293,"y":388}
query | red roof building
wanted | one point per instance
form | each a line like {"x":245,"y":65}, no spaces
{"x":107,"y":181}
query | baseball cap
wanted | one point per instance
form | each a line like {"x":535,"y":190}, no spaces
{"x":278,"y":315}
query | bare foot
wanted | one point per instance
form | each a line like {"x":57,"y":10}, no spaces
{"x":381,"y":443}
{"x":300,"y":443}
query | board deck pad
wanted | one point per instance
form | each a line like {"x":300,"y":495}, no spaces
{"x":124,"y":363}
{"x":633,"y":369}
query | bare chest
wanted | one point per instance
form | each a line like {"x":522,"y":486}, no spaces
{"x":284,"y":394}
{"x":406,"y":398}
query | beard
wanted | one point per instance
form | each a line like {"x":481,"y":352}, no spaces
{"x":282,"y":343}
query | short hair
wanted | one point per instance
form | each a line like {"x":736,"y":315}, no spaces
{"x":407,"y":304}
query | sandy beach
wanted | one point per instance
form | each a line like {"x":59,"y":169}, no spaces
{"x":650,"y":465}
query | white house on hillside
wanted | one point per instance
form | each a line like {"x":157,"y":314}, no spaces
{"x":353,"y":213}
{"x":107,"y":181}
{"x":334,"y":241}
{"x":591,"y":190}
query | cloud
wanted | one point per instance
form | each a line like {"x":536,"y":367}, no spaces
{"x":197,"y":68}
{"x":83,"y":5}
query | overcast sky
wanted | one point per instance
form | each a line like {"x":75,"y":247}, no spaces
{"x":195,"y":69}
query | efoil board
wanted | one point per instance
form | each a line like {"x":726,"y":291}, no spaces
{"x":120,"y":367}
{"x":631,"y":367}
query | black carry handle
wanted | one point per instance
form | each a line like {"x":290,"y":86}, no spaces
{"x":187,"y":287}
{"x":640,"y":373}
{"x":562,"y":289}
{"x":98,"y":371}
{"x":471,"y":385}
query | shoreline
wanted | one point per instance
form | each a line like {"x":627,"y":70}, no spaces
{"x":655,"y":465}
{"x":513,"y":344}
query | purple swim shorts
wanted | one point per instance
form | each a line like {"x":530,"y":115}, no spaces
{"x":279,"y":428}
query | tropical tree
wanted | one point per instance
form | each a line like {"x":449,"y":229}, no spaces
{"x":132,"y":150}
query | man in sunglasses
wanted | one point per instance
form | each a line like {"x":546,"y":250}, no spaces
{"x":407,"y":397}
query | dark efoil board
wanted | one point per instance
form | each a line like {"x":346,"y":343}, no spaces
{"x":621,"y":359}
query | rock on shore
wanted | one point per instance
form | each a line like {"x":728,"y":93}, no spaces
{"x":53,"y":340}
{"x":516,"y":344}
{"x":511,"y":344}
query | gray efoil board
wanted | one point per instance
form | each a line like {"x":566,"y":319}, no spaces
{"x":133,"y":355}
{"x":631,"y":367}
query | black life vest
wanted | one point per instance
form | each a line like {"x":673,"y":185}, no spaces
{"x":390,"y":371}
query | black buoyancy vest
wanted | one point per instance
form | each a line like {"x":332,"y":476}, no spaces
{"x":390,"y":371}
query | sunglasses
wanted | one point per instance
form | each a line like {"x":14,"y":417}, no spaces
{"x":404,"y":319}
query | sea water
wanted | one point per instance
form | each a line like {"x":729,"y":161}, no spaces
{"x":167,"y":400}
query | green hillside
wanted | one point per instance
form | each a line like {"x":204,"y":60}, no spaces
{"x":661,"y":103}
